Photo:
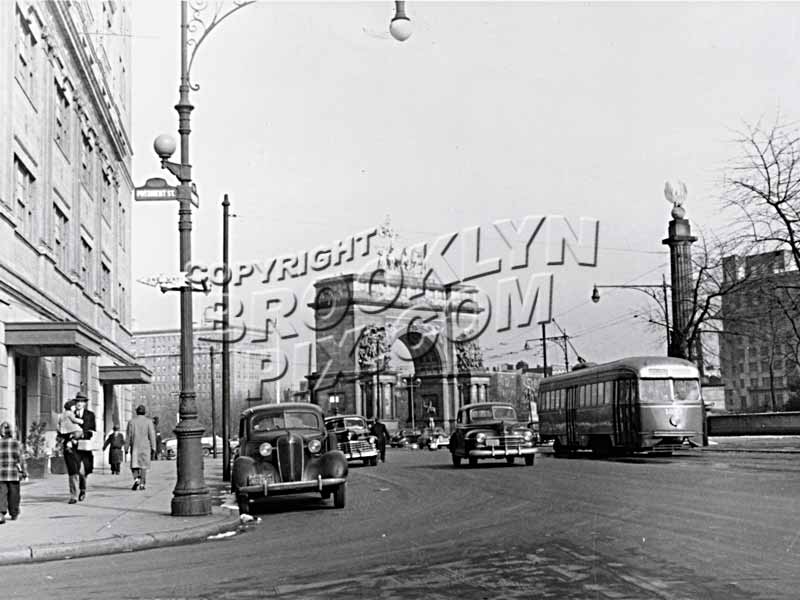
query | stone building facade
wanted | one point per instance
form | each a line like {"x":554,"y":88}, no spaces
{"x":65,"y":206}
{"x":758,"y":358}
{"x":159,"y":352}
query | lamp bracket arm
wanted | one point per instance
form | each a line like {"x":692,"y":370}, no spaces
{"x":182,"y":172}
{"x":198,"y":28}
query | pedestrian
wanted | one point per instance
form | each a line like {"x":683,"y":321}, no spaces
{"x":379,"y":430}
{"x":157,"y":452}
{"x":69,"y":427}
{"x":115,"y":442}
{"x":140,"y":442}
{"x":12,"y":470}
{"x":84,"y":444}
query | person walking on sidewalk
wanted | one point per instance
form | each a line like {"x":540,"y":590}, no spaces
{"x":115,"y":442}
{"x":140,"y":442}
{"x":84,"y":445}
{"x":12,"y":470}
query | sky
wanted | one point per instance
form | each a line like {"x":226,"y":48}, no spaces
{"x":318,"y":125}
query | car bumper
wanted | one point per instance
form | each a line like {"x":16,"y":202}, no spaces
{"x":499,"y":452}
{"x":359,"y":455}
{"x":290,"y":487}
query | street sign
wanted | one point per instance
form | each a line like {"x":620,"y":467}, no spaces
{"x":164,"y":280}
{"x":155,"y":189}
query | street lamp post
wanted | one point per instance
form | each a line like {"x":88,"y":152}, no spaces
{"x":191,"y":496}
{"x":411,"y":383}
{"x":645,"y":288}
{"x":226,"y":357}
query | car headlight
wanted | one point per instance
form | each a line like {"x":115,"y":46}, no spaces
{"x":314,"y":446}
{"x":527,"y":436}
{"x":373,"y":440}
{"x":480,"y":438}
{"x":265,"y":449}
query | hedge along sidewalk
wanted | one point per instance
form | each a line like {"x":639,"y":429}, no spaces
{"x":112,"y":518}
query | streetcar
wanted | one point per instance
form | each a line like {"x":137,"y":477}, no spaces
{"x":637,"y":404}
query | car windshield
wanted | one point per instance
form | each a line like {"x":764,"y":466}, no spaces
{"x":492,"y":413}
{"x":346,"y":423}
{"x":299,"y":419}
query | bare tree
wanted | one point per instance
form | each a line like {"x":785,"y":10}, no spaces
{"x":763,"y":190}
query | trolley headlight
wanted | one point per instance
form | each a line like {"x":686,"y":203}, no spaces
{"x":314,"y":446}
{"x":480,"y":438}
{"x":527,"y":435}
{"x":265,"y":449}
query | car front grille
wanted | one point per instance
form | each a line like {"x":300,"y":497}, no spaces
{"x":355,"y":446}
{"x":290,"y":458}
{"x":505,"y":441}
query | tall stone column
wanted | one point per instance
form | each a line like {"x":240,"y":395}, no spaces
{"x":680,"y":240}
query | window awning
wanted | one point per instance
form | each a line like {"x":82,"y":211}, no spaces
{"x":59,"y":338}
{"x":113,"y":375}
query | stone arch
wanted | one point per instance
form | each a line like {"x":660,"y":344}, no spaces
{"x":358,"y":317}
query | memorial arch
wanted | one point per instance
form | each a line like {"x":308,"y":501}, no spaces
{"x":358,"y":317}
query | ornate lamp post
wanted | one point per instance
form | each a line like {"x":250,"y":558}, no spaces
{"x":191,"y":496}
{"x":647,"y":289}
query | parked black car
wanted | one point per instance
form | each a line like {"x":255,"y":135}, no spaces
{"x":285,"y":449}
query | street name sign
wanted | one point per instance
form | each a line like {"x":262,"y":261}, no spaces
{"x":155,"y":189}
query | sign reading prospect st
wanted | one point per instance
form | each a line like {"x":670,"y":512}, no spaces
{"x":156,"y":189}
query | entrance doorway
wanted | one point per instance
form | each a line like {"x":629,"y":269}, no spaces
{"x":21,"y":397}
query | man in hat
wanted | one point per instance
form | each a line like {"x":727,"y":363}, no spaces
{"x":84,"y":447}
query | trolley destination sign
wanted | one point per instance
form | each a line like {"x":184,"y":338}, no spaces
{"x":156,"y":189}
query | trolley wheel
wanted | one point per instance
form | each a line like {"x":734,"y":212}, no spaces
{"x":510,"y":460}
{"x":529,"y":460}
{"x":601,"y":446}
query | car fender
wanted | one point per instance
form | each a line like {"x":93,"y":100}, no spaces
{"x":243,"y":467}
{"x":333,"y":464}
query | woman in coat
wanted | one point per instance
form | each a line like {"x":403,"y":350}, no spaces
{"x":140,"y":443}
{"x":115,"y":442}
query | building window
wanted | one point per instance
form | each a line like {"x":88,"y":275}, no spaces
{"x":122,"y":230}
{"x":86,"y":265}
{"x":23,"y":198}
{"x":25,"y":56}
{"x":62,"y":120}
{"x":108,"y":189}
{"x":123,"y":304}
{"x":105,"y":284}
{"x":87,"y":159}
{"x":60,"y":238}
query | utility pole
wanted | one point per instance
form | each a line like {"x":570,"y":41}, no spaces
{"x":566,"y":356}
{"x":544,"y":348}
{"x":213,"y":408}
{"x":226,"y":358}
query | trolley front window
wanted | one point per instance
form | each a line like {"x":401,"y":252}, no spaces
{"x":667,"y":391}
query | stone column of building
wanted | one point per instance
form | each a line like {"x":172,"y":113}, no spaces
{"x":680,"y":242}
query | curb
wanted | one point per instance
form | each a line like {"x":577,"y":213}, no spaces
{"x":754,"y":450}
{"x":120,"y":544}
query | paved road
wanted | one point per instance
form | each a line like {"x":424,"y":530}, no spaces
{"x":699,"y":526}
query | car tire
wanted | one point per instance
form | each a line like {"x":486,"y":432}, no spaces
{"x":244,"y":504}
{"x":340,"y":495}
{"x":509,"y":460}
{"x":529,"y":460}
{"x":456,"y":459}
{"x":206,"y":452}
{"x":473,"y":462}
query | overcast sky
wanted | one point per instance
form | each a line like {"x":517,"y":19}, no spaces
{"x":318,"y":125}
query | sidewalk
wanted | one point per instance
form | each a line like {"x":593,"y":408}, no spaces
{"x":112,"y":518}
{"x":783,"y":444}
